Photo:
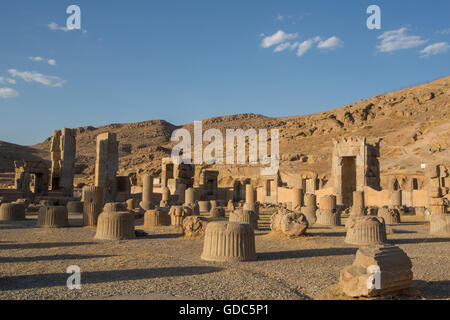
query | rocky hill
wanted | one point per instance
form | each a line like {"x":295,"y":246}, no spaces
{"x":409,"y":124}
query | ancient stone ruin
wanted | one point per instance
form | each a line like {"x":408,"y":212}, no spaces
{"x":62,"y":150}
{"x":115,"y":225}
{"x":354,"y":165}
{"x":106,"y":165}
{"x":53,"y":217}
{"x":377,"y":270}
{"x":229,"y":242}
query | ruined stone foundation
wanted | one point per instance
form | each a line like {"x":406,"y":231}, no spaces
{"x":229,"y":241}
{"x":244,"y":216}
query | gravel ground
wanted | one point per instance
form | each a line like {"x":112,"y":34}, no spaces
{"x":164,"y":265}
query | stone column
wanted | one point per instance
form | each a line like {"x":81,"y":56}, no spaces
{"x":92,"y":205}
{"x":147,"y":192}
{"x":297,"y":198}
{"x":107,"y":164}
{"x":189,"y":197}
{"x":249,"y":194}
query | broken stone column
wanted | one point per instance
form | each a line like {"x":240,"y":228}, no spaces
{"x":194,"y":227}
{"x":156,"y":218}
{"x":62,"y":150}
{"x":377,"y":270}
{"x":229,"y":242}
{"x":366,"y":231}
{"x":147,"y":192}
{"x":107,"y":164}
{"x":327,"y":214}
{"x":92,"y":205}
{"x":12,"y":212}
{"x":115,"y":226}
{"x":390,"y":216}
{"x":309,"y":209}
{"x":177,"y":215}
{"x":217,"y":212}
{"x":289,"y":223}
{"x":244,"y":216}
{"x":189,"y":197}
{"x":165,"y":197}
{"x":297,"y":199}
{"x":249,"y":194}
{"x":52,"y":217}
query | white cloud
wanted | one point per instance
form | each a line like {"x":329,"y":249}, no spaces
{"x":51,"y":62}
{"x":280,"y":17}
{"x":330,"y":43}
{"x":286,"y":45}
{"x":38,"y":59}
{"x":54,"y":26}
{"x":434,"y":49}
{"x":8,"y":93}
{"x":278,"y":37}
{"x":50,"y":81}
{"x":11,"y":81}
{"x":304,"y":47}
{"x":398,"y":40}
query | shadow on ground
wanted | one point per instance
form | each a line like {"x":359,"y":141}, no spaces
{"x":51,"y":258}
{"x":432,"y":289}
{"x":92,"y":277}
{"x":44,"y":245}
{"x":280,"y":255}
{"x":417,"y":240}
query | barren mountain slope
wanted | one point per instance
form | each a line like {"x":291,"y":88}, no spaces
{"x":408,"y":123}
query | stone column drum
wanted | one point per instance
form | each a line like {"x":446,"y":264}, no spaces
{"x":327,"y":215}
{"x":229,"y":242}
{"x":297,"y":198}
{"x":92,"y":205}
{"x":156,"y":218}
{"x":244,"y":216}
{"x":189,"y":196}
{"x":52,"y":217}
{"x":115,"y":226}
{"x":12,"y":212}
{"x":366,"y":231}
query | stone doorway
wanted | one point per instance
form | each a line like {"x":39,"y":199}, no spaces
{"x":348,"y":179}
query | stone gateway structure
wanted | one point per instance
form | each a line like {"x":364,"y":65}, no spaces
{"x":354,"y":165}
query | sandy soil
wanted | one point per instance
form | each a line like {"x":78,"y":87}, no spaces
{"x":164,"y":265}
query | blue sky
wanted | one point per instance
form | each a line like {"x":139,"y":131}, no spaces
{"x":188,"y":60}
